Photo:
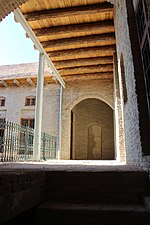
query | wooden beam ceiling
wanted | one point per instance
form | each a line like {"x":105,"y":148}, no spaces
{"x":80,"y":40}
{"x":69,"y":12}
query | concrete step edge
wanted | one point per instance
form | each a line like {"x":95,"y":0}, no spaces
{"x":54,"y":205}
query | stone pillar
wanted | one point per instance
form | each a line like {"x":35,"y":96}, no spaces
{"x":38,"y":110}
{"x":118,"y":117}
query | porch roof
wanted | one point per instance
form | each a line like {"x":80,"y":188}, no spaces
{"x":78,"y":36}
{"x":23,"y":75}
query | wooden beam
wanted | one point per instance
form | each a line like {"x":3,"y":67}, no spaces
{"x":69,"y":11}
{"x":93,"y":28}
{"x":4,"y":83}
{"x":83,"y":62}
{"x":84,"y":41}
{"x":82,"y":53}
{"x":15,"y":81}
{"x":92,"y":76}
{"x":86,"y":69}
{"x":30,"y":82}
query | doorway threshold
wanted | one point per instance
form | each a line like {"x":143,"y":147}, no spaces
{"x":86,"y":162}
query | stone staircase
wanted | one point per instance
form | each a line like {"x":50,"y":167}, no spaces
{"x":105,"y":197}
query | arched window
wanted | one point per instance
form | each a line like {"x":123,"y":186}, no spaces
{"x":2,"y":101}
{"x":30,"y":101}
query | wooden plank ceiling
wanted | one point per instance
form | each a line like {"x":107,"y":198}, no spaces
{"x":78,"y":35}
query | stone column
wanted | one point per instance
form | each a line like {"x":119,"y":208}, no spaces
{"x":38,"y":109}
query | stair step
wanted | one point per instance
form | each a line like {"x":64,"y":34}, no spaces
{"x":103,"y":187}
{"x":104,"y":214}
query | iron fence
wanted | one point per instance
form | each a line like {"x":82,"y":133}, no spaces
{"x":16,"y":143}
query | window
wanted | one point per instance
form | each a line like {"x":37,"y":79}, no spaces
{"x":30,"y":101}
{"x":2,"y":101}
{"x":143,"y":21}
{"x":28,"y":123}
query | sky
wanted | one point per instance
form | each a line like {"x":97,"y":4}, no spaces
{"x":15,"y":48}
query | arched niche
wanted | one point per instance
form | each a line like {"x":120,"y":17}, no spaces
{"x":92,"y":131}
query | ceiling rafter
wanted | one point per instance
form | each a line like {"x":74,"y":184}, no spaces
{"x":99,"y":76}
{"x":4,"y":83}
{"x":100,"y":27}
{"x":30,"y":82}
{"x":86,"y":69}
{"x":16,"y":82}
{"x":68,"y":12}
{"x":82,"y":53}
{"x":83,"y":62}
{"x":96,"y":40}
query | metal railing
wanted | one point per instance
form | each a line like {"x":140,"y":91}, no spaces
{"x":16,"y":143}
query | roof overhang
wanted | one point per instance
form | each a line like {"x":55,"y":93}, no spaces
{"x":20,"y":18}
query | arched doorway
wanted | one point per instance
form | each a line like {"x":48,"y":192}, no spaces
{"x":92,"y":131}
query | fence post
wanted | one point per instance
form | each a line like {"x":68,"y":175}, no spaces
{"x":44,"y":140}
{"x":26,"y":143}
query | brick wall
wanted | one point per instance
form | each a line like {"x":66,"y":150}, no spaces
{"x":75,"y":92}
{"x":20,"y":191}
{"x":93,"y":135}
{"x":131,"y":117}
{"x":15,"y":108}
{"x":131,"y":107}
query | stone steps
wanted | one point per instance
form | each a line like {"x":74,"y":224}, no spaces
{"x":56,"y":213}
{"x":72,"y":195}
{"x":92,"y":198}
{"x":109,"y":187}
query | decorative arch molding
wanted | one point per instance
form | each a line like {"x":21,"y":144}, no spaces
{"x":90,"y":95}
